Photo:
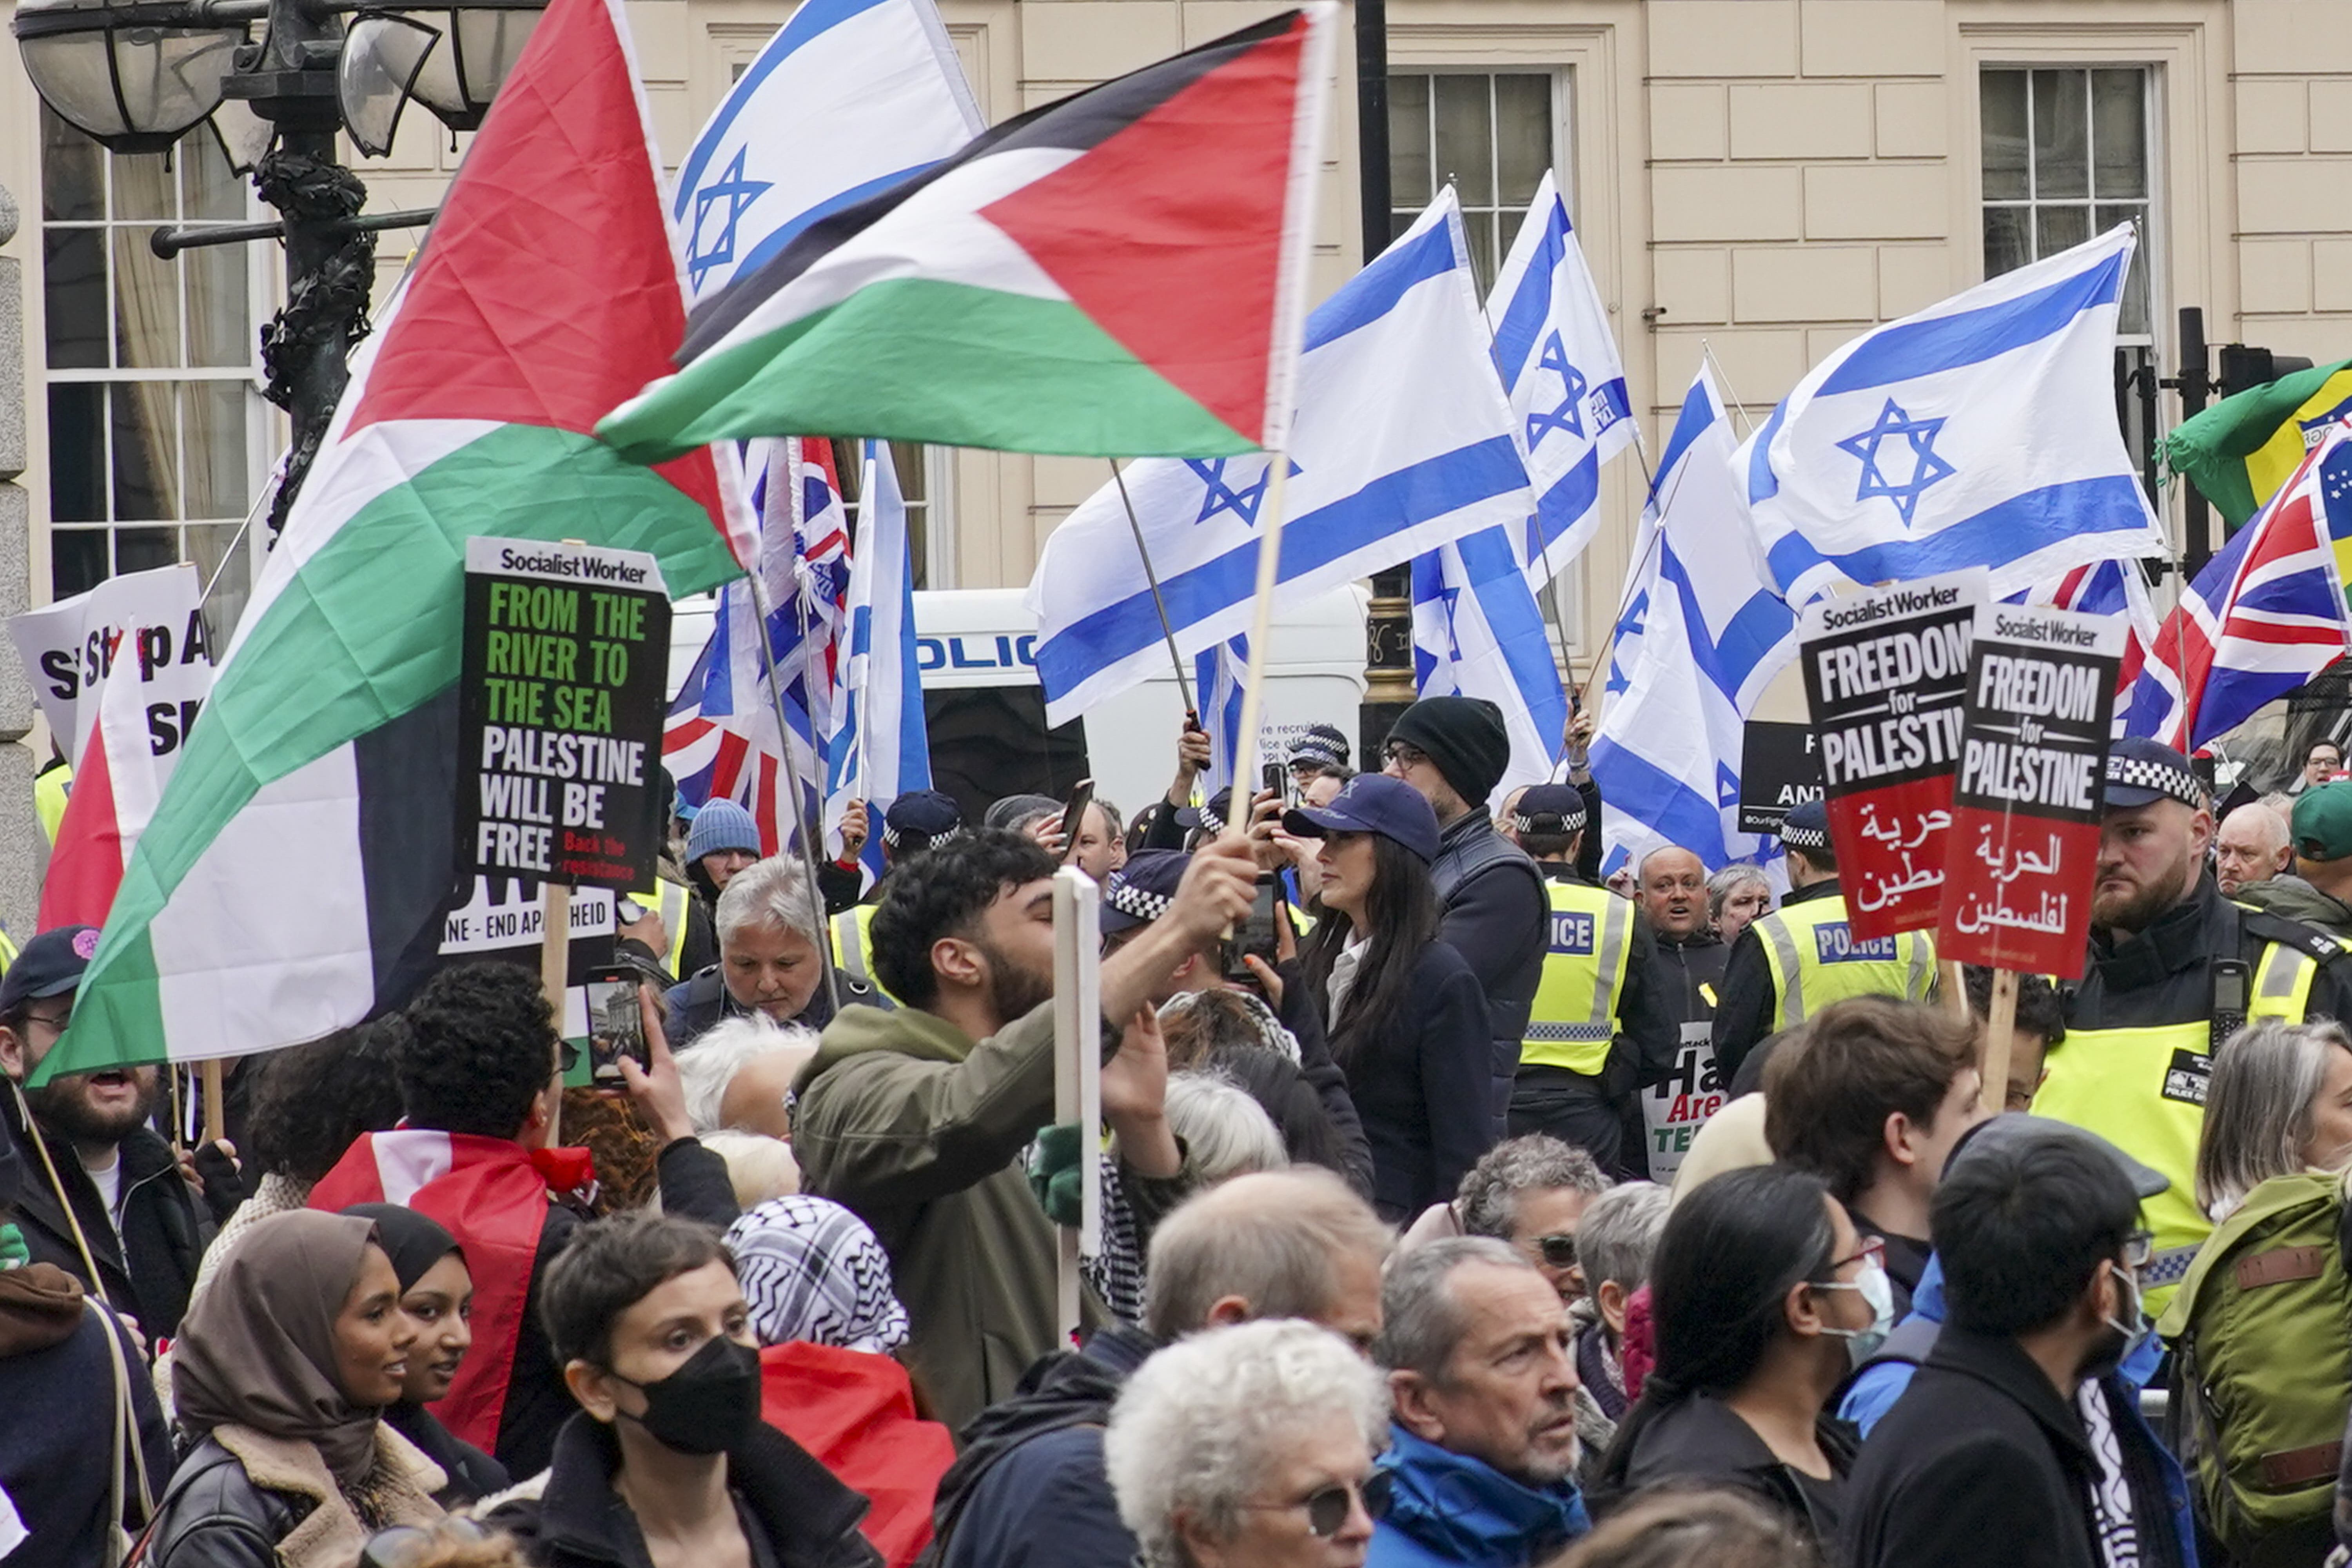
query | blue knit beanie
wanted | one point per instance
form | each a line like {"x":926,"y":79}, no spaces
{"x":721,"y":825}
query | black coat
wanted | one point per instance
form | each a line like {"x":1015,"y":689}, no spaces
{"x":1493,"y":911}
{"x":1981,"y":1464}
{"x":1701,"y":1441}
{"x":473,"y":1475}
{"x":800,"y":1515}
{"x":57,"y":1439}
{"x":1689,"y":975}
{"x":2163,"y":975}
{"x":1302,"y":1015}
{"x":146,"y":1272}
{"x":1423,"y":1083}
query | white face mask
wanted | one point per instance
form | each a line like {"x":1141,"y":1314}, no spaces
{"x":1876,"y":1289}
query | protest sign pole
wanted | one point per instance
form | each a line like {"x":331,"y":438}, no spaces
{"x":1953,"y":983}
{"x":1269,"y":572}
{"x":1167,"y":628}
{"x":208,"y":1073}
{"x":1077,"y":1071}
{"x":2001,"y":1025}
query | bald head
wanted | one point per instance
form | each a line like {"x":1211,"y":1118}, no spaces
{"x":1672,"y":892}
{"x":1280,"y":1244}
{"x":2252,"y":847}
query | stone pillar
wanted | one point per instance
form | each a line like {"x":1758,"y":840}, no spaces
{"x":21,"y":849}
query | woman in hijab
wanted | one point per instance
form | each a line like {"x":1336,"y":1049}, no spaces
{"x":285,"y":1365}
{"x":818,"y":1284}
{"x":437,"y":1291}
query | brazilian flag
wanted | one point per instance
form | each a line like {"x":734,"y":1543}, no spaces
{"x":2240,"y":451}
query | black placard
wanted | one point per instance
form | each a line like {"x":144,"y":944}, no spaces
{"x":1780,"y":767}
{"x":561,"y":702}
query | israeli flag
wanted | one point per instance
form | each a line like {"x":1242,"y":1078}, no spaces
{"x":1477,"y":632}
{"x":879,"y":747}
{"x":1402,"y":441}
{"x":1980,"y":432}
{"x":1559,"y":360}
{"x":1220,"y":676}
{"x":1703,"y":634}
{"x":847,"y":100}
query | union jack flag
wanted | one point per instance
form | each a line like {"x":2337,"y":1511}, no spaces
{"x":721,"y":740}
{"x":2265,"y":616}
{"x":2104,"y":588}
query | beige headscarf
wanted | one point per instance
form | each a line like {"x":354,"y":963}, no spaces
{"x":258,"y":1349}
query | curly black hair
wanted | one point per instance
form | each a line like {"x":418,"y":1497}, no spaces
{"x":307,"y":1103}
{"x":942,"y":894}
{"x":479,"y":1048}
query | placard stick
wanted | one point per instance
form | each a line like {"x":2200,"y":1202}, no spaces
{"x":1955,"y":988}
{"x":208,"y":1073}
{"x":555,"y":967}
{"x":1077,"y":1069}
{"x":1269,"y":572}
{"x":2000,"y":1028}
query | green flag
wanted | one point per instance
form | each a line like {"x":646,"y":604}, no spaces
{"x":2241,"y":450}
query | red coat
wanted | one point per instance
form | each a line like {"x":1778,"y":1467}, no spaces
{"x":855,"y":1411}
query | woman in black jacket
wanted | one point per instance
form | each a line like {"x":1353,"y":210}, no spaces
{"x":1759,"y":1286}
{"x":1407,"y":1020}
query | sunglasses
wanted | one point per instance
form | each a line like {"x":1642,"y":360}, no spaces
{"x":1327,"y":1507}
{"x":1559,"y":1251}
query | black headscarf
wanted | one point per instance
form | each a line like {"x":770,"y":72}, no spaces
{"x":414,"y":1242}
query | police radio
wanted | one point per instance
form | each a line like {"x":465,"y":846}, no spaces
{"x":2232,"y":989}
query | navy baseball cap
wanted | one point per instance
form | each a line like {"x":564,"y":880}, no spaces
{"x":1371,"y":803}
{"x":1140,"y":891}
{"x":50,"y":965}
{"x":1807,"y":825}
{"x":925,"y":813}
{"x":2141,"y":770}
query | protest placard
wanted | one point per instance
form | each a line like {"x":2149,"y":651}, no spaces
{"x":561,"y":701}
{"x":2024,"y":843}
{"x":70,"y":649}
{"x":1885,"y":680}
{"x":1673,"y":1110}
{"x":1779,"y":768}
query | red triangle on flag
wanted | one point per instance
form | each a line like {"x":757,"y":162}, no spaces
{"x":547,"y":291}
{"x":1168,"y":233}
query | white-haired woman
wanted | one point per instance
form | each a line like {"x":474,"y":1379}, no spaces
{"x":769,"y":960}
{"x":1736,"y":896}
{"x":1249,"y":1447}
{"x":2281,"y":1101}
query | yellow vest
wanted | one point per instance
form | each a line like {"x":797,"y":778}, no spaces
{"x":669,"y":900}
{"x":2143,"y":1090}
{"x":853,"y":944}
{"x":1575,"y":1012}
{"x":7,"y":951}
{"x":49,"y":791}
{"x":1816,"y":960}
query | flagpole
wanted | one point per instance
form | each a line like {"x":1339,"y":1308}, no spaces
{"x":1166,"y":629}
{"x":1269,"y":572}
{"x":792,"y":766}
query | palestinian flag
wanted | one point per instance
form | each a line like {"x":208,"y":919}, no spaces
{"x":294,"y":875}
{"x":2239,"y":452}
{"x":1121,"y":273}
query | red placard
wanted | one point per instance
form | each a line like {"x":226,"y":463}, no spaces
{"x":1886,"y":679}
{"x":2025,"y":808}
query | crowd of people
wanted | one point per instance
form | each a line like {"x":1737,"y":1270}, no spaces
{"x":1394,"y":1269}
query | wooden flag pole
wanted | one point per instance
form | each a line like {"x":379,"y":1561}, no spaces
{"x":2000,"y":1028}
{"x":555,"y":964}
{"x":1955,"y":988}
{"x":208,"y":1073}
{"x":1077,"y":1071}
{"x":1269,"y":572}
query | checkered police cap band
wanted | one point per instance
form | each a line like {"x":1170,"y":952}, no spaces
{"x":1550,"y":822}
{"x":1130,"y":899}
{"x":1211,"y":821}
{"x":2137,"y":772}
{"x":930,"y":841}
{"x":1805,"y":838}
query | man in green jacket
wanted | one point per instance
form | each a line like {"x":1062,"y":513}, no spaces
{"x":916,"y":1117}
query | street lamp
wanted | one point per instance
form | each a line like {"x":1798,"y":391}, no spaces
{"x":138,"y":75}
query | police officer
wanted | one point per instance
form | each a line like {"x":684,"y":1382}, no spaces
{"x":2174,"y":969}
{"x":1600,"y":1026}
{"x":912,"y":823}
{"x":1791,"y":963}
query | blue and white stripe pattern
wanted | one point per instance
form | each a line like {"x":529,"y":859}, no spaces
{"x":1402,"y":441}
{"x":1704,"y":633}
{"x":878,"y":747}
{"x":1219,"y":672}
{"x":1478,"y":632}
{"x":1559,"y":362}
{"x":849,"y":98}
{"x":1980,"y":432}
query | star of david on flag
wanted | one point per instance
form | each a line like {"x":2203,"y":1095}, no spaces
{"x":736,"y":191}
{"x":1979,"y":431}
{"x":1227,"y":494}
{"x":1567,"y":416}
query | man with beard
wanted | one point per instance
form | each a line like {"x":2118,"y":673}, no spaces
{"x":916,"y":1117}
{"x":1482,"y":1373}
{"x":135,"y":1231}
{"x":2174,"y":967}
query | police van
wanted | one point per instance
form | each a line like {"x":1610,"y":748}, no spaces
{"x":986,"y":713}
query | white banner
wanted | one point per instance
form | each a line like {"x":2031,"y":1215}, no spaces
{"x":150,"y":618}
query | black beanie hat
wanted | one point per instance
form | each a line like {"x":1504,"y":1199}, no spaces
{"x":1464,"y":737}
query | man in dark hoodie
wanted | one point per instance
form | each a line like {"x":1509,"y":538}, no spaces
{"x":1671,"y":886}
{"x":1029,"y":1490}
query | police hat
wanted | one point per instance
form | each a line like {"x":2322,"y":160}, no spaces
{"x":1548,"y":808}
{"x":1140,"y":891}
{"x":1807,"y":825}
{"x":2141,"y":770}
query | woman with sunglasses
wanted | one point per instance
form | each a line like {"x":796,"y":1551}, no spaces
{"x":1763,"y":1297}
{"x":1406,"y":1018}
{"x":1250,"y":1446}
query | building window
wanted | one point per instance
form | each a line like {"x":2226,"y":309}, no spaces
{"x":2066,"y":156}
{"x":154,"y":418}
{"x":1493,"y":136}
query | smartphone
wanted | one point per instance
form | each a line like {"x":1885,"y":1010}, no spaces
{"x":617,"y":1028}
{"x":1274,"y":779}
{"x":2232,"y":989}
{"x":1255,"y":937}
{"x":1073,"y":816}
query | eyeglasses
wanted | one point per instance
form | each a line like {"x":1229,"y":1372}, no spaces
{"x":2138,"y":1248}
{"x":1404,"y":756}
{"x":1327,"y":1507}
{"x":1559,"y":1251}
{"x":1873,"y":1247}
{"x":59,"y":1023}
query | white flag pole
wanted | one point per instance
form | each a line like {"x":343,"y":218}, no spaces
{"x":1077,"y":1069}
{"x":1269,"y":572}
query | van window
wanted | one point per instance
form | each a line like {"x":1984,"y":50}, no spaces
{"x":989,"y":741}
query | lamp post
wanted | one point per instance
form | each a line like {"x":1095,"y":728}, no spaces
{"x":138,"y":75}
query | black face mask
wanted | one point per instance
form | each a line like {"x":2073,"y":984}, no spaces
{"x":709,"y":1405}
